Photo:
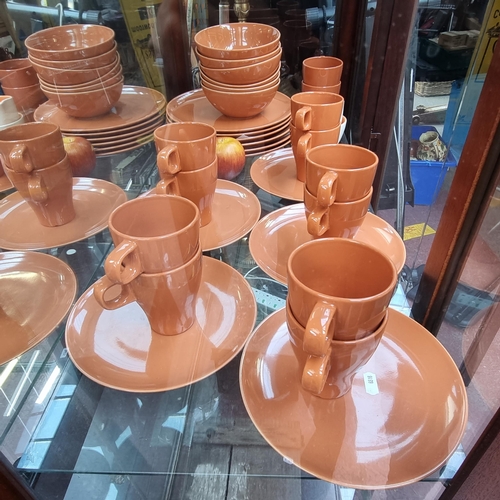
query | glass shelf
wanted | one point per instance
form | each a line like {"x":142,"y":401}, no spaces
{"x":67,"y":434}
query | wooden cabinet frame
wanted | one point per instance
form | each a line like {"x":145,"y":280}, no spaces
{"x":475,"y":180}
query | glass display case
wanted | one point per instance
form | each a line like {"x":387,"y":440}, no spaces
{"x":76,"y":425}
{"x":66,"y":433}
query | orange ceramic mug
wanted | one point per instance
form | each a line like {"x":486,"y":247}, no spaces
{"x":340,"y":172}
{"x":152,"y":234}
{"x":184,"y":146}
{"x":10,"y":66}
{"x":336,"y":219}
{"x":168,"y":299}
{"x":31,"y":146}
{"x":338,"y":289}
{"x":322,"y":71}
{"x":302,"y":142}
{"x":316,"y":110}
{"x":21,"y":77}
{"x":196,"y":185}
{"x":48,"y":191}
{"x":331,"y":376}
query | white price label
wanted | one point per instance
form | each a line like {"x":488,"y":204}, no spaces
{"x":371,"y":386}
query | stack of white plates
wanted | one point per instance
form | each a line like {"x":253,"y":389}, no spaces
{"x":268,"y":131}
{"x":130,"y":124}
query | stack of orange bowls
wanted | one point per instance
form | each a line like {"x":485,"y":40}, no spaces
{"x":239,"y":66}
{"x":78,"y":67}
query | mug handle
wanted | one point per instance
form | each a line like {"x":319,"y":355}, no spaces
{"x":37,"y":189}
{"x":20,"y":159}
{"x":169,"y":161}
{"x":327,"y":189}
{"x":318,"y":221}
{"x":303,"y":119}
{"x":318,"y":333}
{"x":316,"y":372}
{"x":102,"y":285}
{"x":168,"y":186}
{"x":116,"y":269}
{"x":304,"y":144}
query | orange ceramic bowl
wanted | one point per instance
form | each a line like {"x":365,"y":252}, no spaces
{"x":78,"y":64}
{"x":240,"y":89}
{"x":240,"y":104}
{"x":237,"y":40}
{"x":115,"y":71}
{"x":103,"y":84}
{"x":267,"y":83}
{"x":74,"y":41}
{"x":73,"y":76}
{"x":245,"y":75}
{"x":209,"y":62}
{"x":87,"y":104}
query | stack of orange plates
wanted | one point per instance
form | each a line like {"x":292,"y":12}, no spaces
{"x":268,"y":131}
{"x":127,"y":126}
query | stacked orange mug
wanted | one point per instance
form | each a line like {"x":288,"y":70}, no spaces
{"x":156,"y":262}
{"x":322,"y":74}
{"x":35,"y":161}
{"x":19,"y":80}
{"x":338,"y":189}
{"x":187,"y":163}
{"x":316,"y":120}
{"x":336,"y":310}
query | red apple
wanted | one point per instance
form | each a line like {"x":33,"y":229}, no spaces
{"x":230,"y":157}
{"x":81,"y":155}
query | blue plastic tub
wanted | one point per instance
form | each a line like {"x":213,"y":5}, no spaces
{"x":428,"y":176}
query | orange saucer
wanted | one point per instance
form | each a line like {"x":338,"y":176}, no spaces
{"x":235,"y":211}
{"x":117,"y":348}
{"x":36,"y":293}
{"x":193,"y":106}
{"x":136,"y":105}
{"x":402,"y":420}
{"x":276,"y":174}
{"x":279,"y":233}
{"x":146,"y":139}
{"x":94,"y":200}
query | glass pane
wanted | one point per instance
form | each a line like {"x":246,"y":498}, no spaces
{"x":444,"y":78}
{"x":470,"y":329}
{"x":67,"y":433}
{"x":449,"y":80}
